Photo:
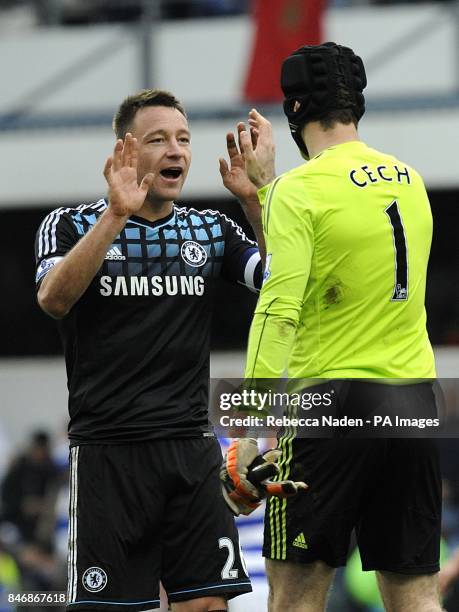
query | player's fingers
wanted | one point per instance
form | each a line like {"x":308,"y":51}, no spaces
{"x":117,"y":152}
{"x":262,"y":123}
{"x":231,"y":145}
{"x":272,"y":455}
{"x":254,"y":137}
{"x":223,"y":167}
{"x":134,"y":153}
{"x":284,"y":488}
{"x":108,"y":167}
{"x":147,"y":182}
{"x":240,"y":129}
{"x":254,"y":114}
{"x":262,"y":472}
{"x":127,"y":150}
{"x":246,"y":145}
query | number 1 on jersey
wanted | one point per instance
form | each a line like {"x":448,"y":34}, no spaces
{"x":400,"y":292}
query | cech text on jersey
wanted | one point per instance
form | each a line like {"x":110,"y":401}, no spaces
{"x":365,"y":175}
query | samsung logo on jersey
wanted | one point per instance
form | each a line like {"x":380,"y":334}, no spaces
{"x":154,"y":285}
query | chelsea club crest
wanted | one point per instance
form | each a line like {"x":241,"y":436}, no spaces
{"x":193,"y":253}
{"x":94,"y":579}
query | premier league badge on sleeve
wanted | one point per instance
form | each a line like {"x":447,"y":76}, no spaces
{"x":267,"y":272}
{"x":193,"y":253}
{"x":45,"y":266}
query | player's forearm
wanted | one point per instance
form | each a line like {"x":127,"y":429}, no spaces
{"x":260,"y":237}
{"x":252,"y":210}
{"x":63,"y":286}
{"x":270,"y":342}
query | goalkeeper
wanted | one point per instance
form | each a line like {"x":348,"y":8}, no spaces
{"x":348,"y":238}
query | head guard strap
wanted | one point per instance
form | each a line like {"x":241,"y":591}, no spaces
{"x":318,"y":79}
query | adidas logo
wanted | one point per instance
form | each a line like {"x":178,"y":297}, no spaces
{"x":115,"y":253}
{"x":300,"y":541}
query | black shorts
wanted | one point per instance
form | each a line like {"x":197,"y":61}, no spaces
{"x":388,"y":490}
{"x":145,"y":512}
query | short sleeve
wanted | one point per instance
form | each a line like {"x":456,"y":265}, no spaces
{"x":55,"y":237}
{"x":242,"y":263}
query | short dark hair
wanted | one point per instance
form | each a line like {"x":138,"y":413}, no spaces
{"x":344,"y":115}
{"x":127,"y":110}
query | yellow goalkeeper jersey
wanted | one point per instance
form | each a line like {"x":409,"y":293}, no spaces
{"x":348,"y":237}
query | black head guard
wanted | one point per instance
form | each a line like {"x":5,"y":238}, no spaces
{"x":320,"y":78}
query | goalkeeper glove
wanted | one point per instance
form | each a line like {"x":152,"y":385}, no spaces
{"x":246,"y":477}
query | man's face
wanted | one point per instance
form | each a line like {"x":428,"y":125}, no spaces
{"x":164,"y":149}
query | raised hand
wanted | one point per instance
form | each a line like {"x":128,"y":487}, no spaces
{"x":125,"y":195}
{"x":259,"y":158}
{"x":234,"y":176}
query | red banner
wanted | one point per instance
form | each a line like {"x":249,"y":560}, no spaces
{"x":281,"y":26}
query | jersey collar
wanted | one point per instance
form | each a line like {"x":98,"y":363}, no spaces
{"x":156,"y":223}
{"x":342,"y":145}
{"x":146,"y":222}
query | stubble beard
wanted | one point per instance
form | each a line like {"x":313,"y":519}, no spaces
{"x":156,"y":202}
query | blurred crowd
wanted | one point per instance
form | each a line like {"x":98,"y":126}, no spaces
{"x":33,"y":527}
{"x":33,"y":518}
{"x":84,"y":12}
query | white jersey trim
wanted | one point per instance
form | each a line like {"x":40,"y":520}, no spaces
{"x":47,"y":241}
{"x":235,"y":226}
{"x":72,"y":554}
{"x":249,"y":272}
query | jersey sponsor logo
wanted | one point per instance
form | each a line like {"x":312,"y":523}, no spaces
{"x":267,"y":272}
{"x":154,"y":285}
{"x":45,"y":266}
{"x":300,"y":541}
{"x":94,"y":579}
{"x":115,"y":254}
{"x":193,"y":253}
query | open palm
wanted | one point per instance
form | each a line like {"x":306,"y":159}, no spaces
{"x":234,"y":176}
{"x":125,"y":195}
